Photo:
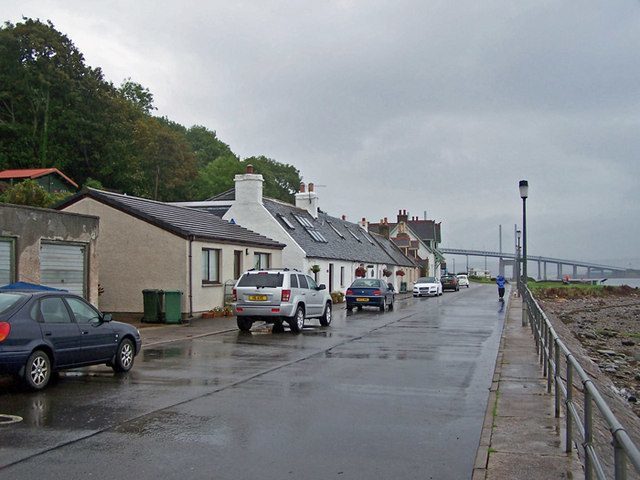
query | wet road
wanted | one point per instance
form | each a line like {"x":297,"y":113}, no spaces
{"x":397,"y":395}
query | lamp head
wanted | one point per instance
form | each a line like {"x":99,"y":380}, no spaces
{"x":524,"y":189}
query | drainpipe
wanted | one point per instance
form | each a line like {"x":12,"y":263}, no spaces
{"x":191,"y":238}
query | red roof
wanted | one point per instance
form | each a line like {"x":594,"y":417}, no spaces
{"x":34,"y":173}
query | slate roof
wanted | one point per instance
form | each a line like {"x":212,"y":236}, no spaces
{"x":394,"y":252}
{"x":339,"y":235}
{"x":229,"y":195}
{"x":424,"y":229}
{"x":182,"y":221}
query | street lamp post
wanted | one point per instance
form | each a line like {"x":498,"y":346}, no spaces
{"x":517,"y":275}
{"x":524,"y":193}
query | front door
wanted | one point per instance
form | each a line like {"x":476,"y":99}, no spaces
{"x":237,"y":264}
{"x":330,"y":277}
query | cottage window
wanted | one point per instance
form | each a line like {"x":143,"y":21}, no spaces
{"x":260,"y":261}
{"x":210,"y":266}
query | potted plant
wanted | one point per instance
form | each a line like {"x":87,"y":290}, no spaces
{"x":315,"y":268}
{"x":400,"y":273}
{"x":386,"y":272}
{"x":361,"y":272}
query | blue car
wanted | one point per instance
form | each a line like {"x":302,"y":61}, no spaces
{"x":42,"y":332}
{"x":371,"y":292}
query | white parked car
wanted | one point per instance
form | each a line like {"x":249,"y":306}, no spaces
{"x":463,"y":280}
{"x":427,"y":286}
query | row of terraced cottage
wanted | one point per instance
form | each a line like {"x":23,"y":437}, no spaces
{"x":110,"y":247}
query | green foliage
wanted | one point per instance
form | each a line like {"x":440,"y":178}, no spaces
{"x":337,"y":297}
{"x":281,"y":181}
{"x":30,"y":193}
{"x":138,"y":95}
{"x":55,"y":111}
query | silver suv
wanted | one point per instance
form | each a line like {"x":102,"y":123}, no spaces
{"x":280,"y":295}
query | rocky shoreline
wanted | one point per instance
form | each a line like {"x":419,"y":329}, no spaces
{"x":607,"y":328}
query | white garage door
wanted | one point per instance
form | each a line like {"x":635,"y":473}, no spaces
{"x":5,"y":262}
{"x":63,"y":266}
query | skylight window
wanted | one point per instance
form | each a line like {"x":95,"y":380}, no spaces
{"x":286,"y":221}
{"x":303,"y":221}
{"x":335,"y":229}
{"x":354,"y":235}
{"x":316,"y":235}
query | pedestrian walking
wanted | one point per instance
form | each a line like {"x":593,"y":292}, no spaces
{"x":500,"y":281}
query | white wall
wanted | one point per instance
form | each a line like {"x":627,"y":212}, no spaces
{"x":255,"y":217}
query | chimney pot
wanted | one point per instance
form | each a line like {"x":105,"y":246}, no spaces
{"x":302,"y":189}
{"x":310,"y":187}
{"x":344,"y":217}
{"x":249,"y":168}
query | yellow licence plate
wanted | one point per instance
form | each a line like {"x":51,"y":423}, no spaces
{"x":361,"y":299}
{"x":260,"y":298}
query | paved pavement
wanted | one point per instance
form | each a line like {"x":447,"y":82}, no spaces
{"x":520,"y":438}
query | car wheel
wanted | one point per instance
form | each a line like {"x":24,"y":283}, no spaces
{"x":37,"y":370}
{"x":124,"y":356}
{"x":349,"y":308}
{"x":277,"y":327}
{"x":244,"y":324}
{"x":325,"y":319}
{"x":359,"y":307}
{"x":297,"y":322}
{"x":384,"y":304}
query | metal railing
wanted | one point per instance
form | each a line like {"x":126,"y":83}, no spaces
{"x":551,"y":350}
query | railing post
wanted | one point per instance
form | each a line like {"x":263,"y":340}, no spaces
{"x":620,"y":460}
{"x":556,"y":378}
{"x":569,"y":404}
{"x":524,"y":309}
{"x":588,"y":433}
{"x":549,"y":363}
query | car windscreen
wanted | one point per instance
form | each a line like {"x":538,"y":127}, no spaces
{"x":426,"y":280}
{"x":8,"y":300}
{"x":261,"y":280}
{"x":366,"y":283}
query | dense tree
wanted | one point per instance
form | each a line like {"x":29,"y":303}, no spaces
{"x":55,"y":111}
{"x":281,"y":181}
{"x":138,"y":95}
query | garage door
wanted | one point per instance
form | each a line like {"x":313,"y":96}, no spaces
{"x":63,"y":266}
{"x":6,"y":268}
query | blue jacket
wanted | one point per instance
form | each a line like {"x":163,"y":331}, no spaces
{"x":500,"y":281}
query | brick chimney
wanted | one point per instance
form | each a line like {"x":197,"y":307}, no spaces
{"x":383,"y":228}
{"x":308,"y":200}
{"x":344,"y":217}
{"x":248,"y":187}
{"x":402,"y":216}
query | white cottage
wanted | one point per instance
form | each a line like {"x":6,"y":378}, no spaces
{"x":328,"y":247}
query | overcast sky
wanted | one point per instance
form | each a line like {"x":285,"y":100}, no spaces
{"x":423,"y":105}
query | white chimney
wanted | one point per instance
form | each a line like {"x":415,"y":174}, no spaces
{"x":364,"y":224}
{"x":308,"y":200}
{"x":249,"y":187}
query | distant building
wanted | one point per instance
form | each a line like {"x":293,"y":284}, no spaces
{"x":51,"y":179}
{"x":476,"y":272}
{"x":418,"y":239}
